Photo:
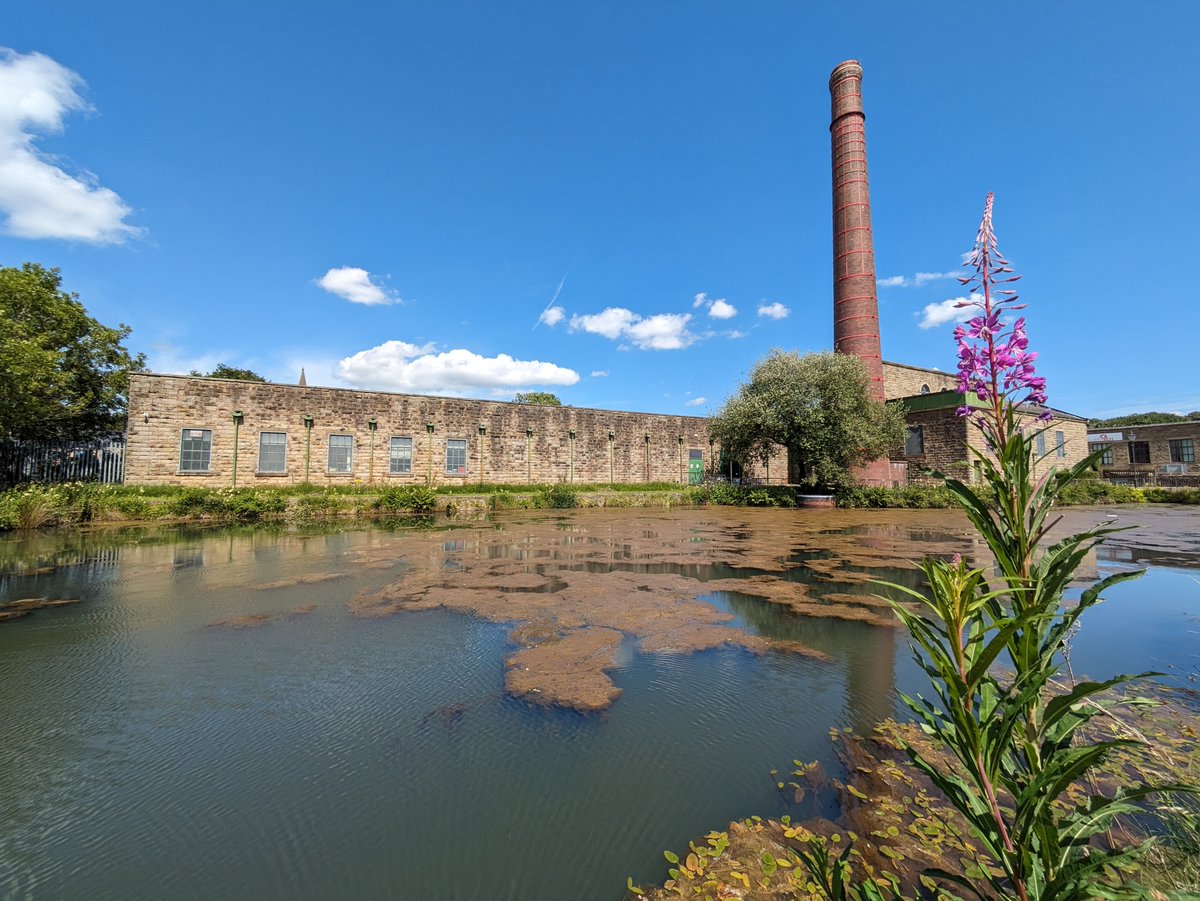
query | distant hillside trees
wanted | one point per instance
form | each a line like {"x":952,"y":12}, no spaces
{"x":1117,"y":422}
{"x":64,"y":375}
{"x":221,"y":371}
{"x":541,"y":398}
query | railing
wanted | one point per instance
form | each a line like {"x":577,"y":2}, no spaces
{"x":98,"y":460}
{"x":1149,"y":478}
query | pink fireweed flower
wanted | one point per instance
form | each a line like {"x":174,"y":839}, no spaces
{"x":994,"y":360}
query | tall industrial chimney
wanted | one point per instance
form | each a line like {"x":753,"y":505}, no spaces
{"x":855,"y":307}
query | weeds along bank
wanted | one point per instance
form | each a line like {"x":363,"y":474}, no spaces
{"x":77,"y":503}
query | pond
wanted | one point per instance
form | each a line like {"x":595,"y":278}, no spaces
{"x":532,"y":706}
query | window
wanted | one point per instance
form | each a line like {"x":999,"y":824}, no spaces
{"x":272,"y":451}
{"x":1040,"y":441}
{"x":400,"y":457}
{"x":1060,"y":444}
{"x":924,"y":389}
{"x":1183,"y":450}
{"x":195,"y":450}
{"x":914,"y":441}
{"x":1139,"y":451}
{"x":341,"y":453}
{"x":1106,"y":459}
{"x":456,"y":457}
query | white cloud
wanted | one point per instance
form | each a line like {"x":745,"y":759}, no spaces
{"x":696,"y":402}
{"x":774,"y":310}
{"x":39,"y":197}
{"x":611,"y":322}
{"x":717,"y":309}
{"x":599,"y":373}
{"x":552,"y":316}
{"x":664,"y":331}
{"x":736,"y":333}
{"x":400,"y":366}
{"x":916,"y":281}
{"x":355,"y":285}
{"x":936,"y":314}
{"x":721,"y":309}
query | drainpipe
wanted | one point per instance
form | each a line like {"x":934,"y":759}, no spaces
{"x":237,"y":424}
{"x":308,"y":424}
{"x":429,"y":431}
{"x":529,"y":455}
{"x":482,"y":435}
{"x":372,"y":426}
{"x":571,"y":467}
{"x":611,"y":473}
{"x":647,"y":456}
{"x":681,"y":458}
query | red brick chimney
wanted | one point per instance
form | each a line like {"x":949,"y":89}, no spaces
{"x":855,"y":307}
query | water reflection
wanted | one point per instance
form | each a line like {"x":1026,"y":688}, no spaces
{"x":149,"y":752}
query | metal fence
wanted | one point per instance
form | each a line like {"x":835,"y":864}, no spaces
{"x":98,"y":460}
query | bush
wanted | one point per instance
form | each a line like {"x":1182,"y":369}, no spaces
{"x":319,"y":503}
{"x":559,"y":497}
{"x":1171,"y":495}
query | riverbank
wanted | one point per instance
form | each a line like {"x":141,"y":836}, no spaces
{"x":897,"y":824}
{"x":75,"y":503}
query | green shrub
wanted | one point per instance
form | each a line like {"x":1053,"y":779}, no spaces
{"x":559,"y":497}
{"x":319,"y":503}
{"x":1171,"y":495}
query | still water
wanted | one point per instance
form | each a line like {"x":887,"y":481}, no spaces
{"x":212,"y":720}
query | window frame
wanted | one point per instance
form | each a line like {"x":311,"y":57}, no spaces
{"x":1060,"y":444}
{"x":1040,"y":443}
{"x":207,"y":454}
{"x":329,"y":469}
{"x":1183,"y":450}
{"x":392,"y":471}
{"x":1106,"y":458}
{"x":456,"y":443}
{"x":917,"y":432}
{"x":282,"y":470}
{"x":1142,"y":446}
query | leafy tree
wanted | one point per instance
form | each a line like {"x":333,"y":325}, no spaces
{"x":221,"y":371}
{"x":819,"y":407}
{"x":541,"y":398}
{"x":64,"y":374}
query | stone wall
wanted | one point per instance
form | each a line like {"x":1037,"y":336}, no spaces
{"x":498,"y":448}
{"x":903,"y":381}
{"x":949,"y":437}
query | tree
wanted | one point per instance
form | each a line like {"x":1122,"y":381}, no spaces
{"x":541,"y":398}
{"x":819,"y":407}
{"x":64,"y":374}
{"x":221,"y":371}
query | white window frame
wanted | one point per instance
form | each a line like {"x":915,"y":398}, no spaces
{"x":1060,"y":444}
{"x":282,"y":457}
{"x":206,"y":453}
{"x":329,"y":467}
{"x":455,"y":444}
{"x":392,"y":460}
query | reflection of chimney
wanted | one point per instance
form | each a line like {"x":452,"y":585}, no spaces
{"x":855,"y":309}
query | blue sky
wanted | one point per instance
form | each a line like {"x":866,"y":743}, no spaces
{"x":625,"y":203}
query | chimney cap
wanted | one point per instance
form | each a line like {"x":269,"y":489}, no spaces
{"x":848,"y":69}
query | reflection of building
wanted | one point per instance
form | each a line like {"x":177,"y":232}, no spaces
{"x":1150,"y":454}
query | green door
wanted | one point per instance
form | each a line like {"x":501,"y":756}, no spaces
{"x":695,"y":466}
